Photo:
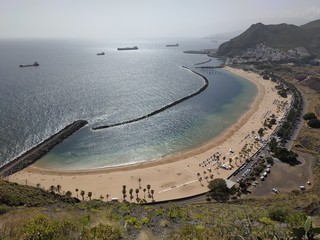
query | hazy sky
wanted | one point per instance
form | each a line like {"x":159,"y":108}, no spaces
{"x":145,"y":18}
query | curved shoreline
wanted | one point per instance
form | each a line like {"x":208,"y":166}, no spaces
{"x":173,"y":176}
{"x":212,"y":143}
{"x":204,"y":87}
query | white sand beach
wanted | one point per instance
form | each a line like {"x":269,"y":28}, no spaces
{"x":175,"y":176}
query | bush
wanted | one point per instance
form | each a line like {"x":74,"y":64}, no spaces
{"x":309,"y":116}
{"x":4,"y":209}
{"x":277,"y":215}
{"x":269,"y":160}
{"x":43,"y":228}
{"x":314,"y":123}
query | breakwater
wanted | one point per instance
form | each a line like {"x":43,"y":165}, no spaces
{"x":40,"y":150}
{"x":200,"y":63}
{"x":206,"y":83}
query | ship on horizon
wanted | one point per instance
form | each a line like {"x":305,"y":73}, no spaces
{"x":128,"y":48}
{"x":173,"y":45}
{"x":102,"y":53}
{"x":35,"y":64}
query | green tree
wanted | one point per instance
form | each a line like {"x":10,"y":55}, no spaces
{"x":82,"y":193}
{"x":261,"y":130}
{"x":269,"y":160}
{"x":58,"y":188}
{"x":309,"y":116}
{"x":286,"y":156}
{"x":148,"y":187}
{"x":124,"y":193}
{"x":90,"y":195}
{"x":52,"y":188}
{"x":314,"y":123}
{"x":219,"y":190}
{"x":130,"y":192}
{"x":77,"y":190}
{"x":68,"y":194}
{"x":144,"y":192}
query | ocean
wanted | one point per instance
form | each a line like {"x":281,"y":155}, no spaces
{"x":73,"y":83}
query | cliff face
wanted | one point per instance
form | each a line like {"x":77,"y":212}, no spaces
{"x":282,"y":36}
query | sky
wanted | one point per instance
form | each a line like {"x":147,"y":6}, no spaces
{"x":103,"y":19}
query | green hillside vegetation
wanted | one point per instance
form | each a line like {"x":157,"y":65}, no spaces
{"x":33,"y":213}
{"x":281,"y":36}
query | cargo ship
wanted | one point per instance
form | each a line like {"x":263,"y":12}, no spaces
{"x":128,"y":48}
{"x":172,"y":45}
{"x":99,"y":54}
{"x":35,"y":64}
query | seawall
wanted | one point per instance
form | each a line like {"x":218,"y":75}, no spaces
{"x":40,"y":150}
{"x":206,"y":83}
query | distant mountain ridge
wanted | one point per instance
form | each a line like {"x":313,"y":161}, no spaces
{"x":281,"y":36}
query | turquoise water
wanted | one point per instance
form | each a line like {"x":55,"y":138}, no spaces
{"x":73,"y":83}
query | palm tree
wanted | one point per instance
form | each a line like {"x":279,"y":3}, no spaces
{"x":82,"y":194}
{"x":58,"y":188}
{"x":131,"y":191}
{"x":144,"y":192}
{"x":107,"y":197}
{"x":52,"y":188}
{"x":68,"y":194}
{"x":90,"y":195}
{"x":101,"y":197}
{"x":139,"y":182}
{"x":38,"y":185}
{"x":77,"y":190}
{"x":152,"y":192}
{"x":137,"y":192}
{"x":124,"y":191}
{"x":148,"y":187}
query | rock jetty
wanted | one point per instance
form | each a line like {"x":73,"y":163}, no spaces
{"x":206,"y":83}
{"x":40,"y":150}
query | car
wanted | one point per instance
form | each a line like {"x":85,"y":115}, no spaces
{"x":262,"y":178}
{"x":275,"y":190}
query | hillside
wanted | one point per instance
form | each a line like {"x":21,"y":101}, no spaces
{"x":281,"y":36}
{"x":54,"y":217}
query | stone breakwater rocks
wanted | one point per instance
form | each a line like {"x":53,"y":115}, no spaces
{"x":40,"y":150}
{"x":206,"y":83}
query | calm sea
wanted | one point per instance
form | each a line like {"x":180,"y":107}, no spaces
{"x":73,"y":83}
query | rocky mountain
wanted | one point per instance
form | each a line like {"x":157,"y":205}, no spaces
{"x":282,"y":36}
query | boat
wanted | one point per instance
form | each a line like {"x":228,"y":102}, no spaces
{"x":172,"y":45}
{"x":35,"y":64}
{"x":128,"y":48}
{"x":99,"y":54}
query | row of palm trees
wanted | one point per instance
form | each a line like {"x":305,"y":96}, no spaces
{"x":137,"y":191}
{"x":57,"y":189}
